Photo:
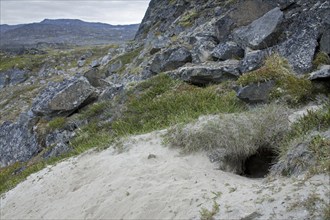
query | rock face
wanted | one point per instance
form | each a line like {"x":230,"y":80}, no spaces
{"x":208,"y":73}
{"x":170,"y":60}
{"x":256,"y":93}
{"x":58,"y":141}
{"x":323,"y":73}
{"x":262,"y":32}
{"x":17,"y":141}
{"x":63,"y":98}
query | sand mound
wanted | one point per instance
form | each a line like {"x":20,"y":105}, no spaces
{"x":109,"y":185}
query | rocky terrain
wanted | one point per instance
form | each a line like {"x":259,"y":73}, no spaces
{"x":241,"y":87}
{"x":63,"y":33}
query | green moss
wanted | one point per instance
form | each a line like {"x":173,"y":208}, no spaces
{"x":57,"y":123}
{"x":161,"y":102}
{"x":188,"y":18}
{"x":276,"y":68}
{"x":321,"y":58}
{"x":94,"y":110}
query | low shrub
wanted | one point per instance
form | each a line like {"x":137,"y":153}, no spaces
{"x":233,"y":137}
{"x":57,"y":123}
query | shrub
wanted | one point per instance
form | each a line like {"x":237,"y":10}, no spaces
{"x":288,"y":86}
{"x":234,"y":136}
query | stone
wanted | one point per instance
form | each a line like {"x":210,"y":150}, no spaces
{"x":81,"y":63}
{"x":58,"y":142}
{"x":115,"y":67}
{"x":209,"y":73}
{"x":63,"y":98}
{"x":261,"y":33}
{"x":111,"y":91}
{"x":170,"y":59}
{"x":325,"y":40}
{"x":228,"y":50}
{"x":95,"y":63}
{"x":203,"y":47}
{"x":18,"y":141}
{"x":252,"y":60}
{"x":95,"y":77}
{"x":256,"y":93}
{"x":12,"y":77}
{"x":223,"y":28}
{"x":321,"y":74}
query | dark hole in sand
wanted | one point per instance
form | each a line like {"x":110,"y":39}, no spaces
{"x":259,"y":164}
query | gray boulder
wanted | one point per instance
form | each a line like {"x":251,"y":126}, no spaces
{"x":209,"y":73}
{"x":95,"y":63}
{"x":171,"y":59}
{"x":203,"y":47}
{"x":18,"y":141}
{"x":58,"y":143}
{"x":252,"y":60}
{"x":256,"y":93}
{"x":12,"y":77}
{"x":63,"y":98}
{"x":81,"y":63}
{"x":115,"y":67}
{"x":228,"y":50}
{"x":95,"y":77}
{"x":323,"y":73}
{"x":261,"y":33}
{"x":111,"y":91}
{"x":325,"y":40}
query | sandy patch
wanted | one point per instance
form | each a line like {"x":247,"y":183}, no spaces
{"x":108,"y":185}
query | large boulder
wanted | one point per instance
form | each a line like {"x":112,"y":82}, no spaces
{"x":170,"y":59}
{"x":261,"y":33}
{"x":210,"y":72}
{"x":228,"y":50}
{"x":256,"y":93}
{"x":95,"y":77}
{"x":63,"y":98}
{"x":18,"y":141}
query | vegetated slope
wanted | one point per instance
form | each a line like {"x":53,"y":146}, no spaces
{"x":64,"y":32}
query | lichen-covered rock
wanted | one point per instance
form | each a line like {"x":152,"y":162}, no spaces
{"x":228,"y":50}
{"x":252,"y":60}
{"x":111,"y":91}
{"x":58,"y":143}
{"x":256,"y":93}
{"x":203,"y":47}
{"x":95,"y":77}
{"x":210,"y":72}
{"x":12,"y":77}
{"x":170,"y":59}
{"x":262,"y":32}
{"x":18,"y":141}
{"x":321,"y":74}
{"x":63,"y":98}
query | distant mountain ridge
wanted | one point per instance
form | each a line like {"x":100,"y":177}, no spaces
{"x":64,"y":32}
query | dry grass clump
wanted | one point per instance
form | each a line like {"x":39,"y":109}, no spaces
{"x":233,"y":137}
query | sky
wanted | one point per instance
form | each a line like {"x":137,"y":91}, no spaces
{"x":105,"y":11}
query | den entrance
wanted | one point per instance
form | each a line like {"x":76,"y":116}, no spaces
{"x":259,"y":164}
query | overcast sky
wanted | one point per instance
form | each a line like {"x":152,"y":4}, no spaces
{"x":105,"y":11}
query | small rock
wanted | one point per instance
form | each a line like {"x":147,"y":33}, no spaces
{"x":257,"y":92}
{"x":322,"y":74}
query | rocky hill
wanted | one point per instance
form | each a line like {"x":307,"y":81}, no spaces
{"x":64,"y":32}
{"x":244,"y":83}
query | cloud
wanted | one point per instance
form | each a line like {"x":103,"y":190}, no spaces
{"x":106,"y":11}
